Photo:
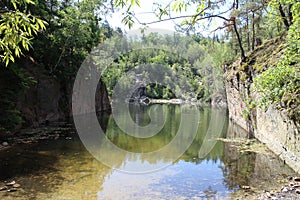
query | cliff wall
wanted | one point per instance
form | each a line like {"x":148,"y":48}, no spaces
{"x":47,"y":100}
{"x":272,"y":126}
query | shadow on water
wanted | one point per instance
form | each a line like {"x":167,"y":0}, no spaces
{"x":260,"y":171}
{"x":208,"y":168}
{"x":19,"y":161}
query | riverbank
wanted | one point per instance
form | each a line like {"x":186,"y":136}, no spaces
{"x":273,"y":125}
{"x":54,"y":131}
{"x":234,"y":148}
{"x":276,"y":185}
{"x":288,"y":191}
{"x":216,"y":103}
{"x":286,"y":188}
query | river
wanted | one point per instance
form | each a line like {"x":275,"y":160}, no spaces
{"x":208,"y":167}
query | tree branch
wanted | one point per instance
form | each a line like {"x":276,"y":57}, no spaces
{"x":219,"y":15}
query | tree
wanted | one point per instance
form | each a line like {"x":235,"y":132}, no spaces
{"x":17,"y":28}
{"x":205,"y":10}
{"x":75,"y":27}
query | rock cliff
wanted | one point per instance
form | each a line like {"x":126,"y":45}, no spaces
{"x":48,"y":99}
{"x":273,"y":126}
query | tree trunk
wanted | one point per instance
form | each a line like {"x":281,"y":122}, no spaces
{"x":284,"y":18}
{"x":290,"y":14}
{"x":243,"y":57}
{"x":253,"y":31}
{"x":247,"y":29}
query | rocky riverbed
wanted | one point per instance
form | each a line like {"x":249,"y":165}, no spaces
{"x":290,"y":190}
{"x":33,"y":135}
{"x":288,"y":187}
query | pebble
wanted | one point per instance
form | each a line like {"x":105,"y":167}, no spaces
{"x":12,"y":190}
{"x":285,"y":190}
{"x":297,"y":179}
{"x":298,"y":191}
{"x":16,"y":185}
{"x":245,"y":187}
{"x":3,"y":188}
{"x":5,"y":143}
{"x":11,"y":183}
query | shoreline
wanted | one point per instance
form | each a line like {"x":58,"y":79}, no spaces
{"x":32,"y":135}
{"x":290,"y":188}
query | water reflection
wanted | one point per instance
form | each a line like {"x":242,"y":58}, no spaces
{"x":209,"y":168}
{"x":262,"y":171}
{"x":192,"y":139}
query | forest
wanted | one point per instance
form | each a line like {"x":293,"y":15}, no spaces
{"x":70,"y":29}
{"x":210,"y":111}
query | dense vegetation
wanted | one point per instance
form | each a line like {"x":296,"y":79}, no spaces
{"x":248,"y":24}
{"x":195,"y":59}
{"x":53,"y":37}
{"x":28,"y":51}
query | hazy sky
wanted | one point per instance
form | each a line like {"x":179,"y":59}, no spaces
{"x":144,"y":14}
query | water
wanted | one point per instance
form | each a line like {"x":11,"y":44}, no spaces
{"x":209,"y":168}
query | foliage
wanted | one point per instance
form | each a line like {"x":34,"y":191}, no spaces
{"x":275,"y":82}
{"x":10,"y":93}
{"x":190,"y":59}
{"x":281,"y":84}
{"x":73,"y":29}
{"x":17,"y":29}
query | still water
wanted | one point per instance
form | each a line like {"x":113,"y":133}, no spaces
{"x":207,"y":169}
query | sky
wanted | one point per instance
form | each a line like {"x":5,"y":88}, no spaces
{"x":143,"y":13}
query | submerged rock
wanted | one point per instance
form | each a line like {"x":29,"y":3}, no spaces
{"x":285,"y":189}
{"x":11,"y":183}
{"x":12,"y":190}
{"x":16,"y":185}
{"x":297,"y":179}
{"x":246,"y":187}
{"x":5,"y":143}
{"x":3,"y":188}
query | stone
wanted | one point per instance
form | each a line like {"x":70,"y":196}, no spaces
{"x":297,"y":179}
{"x":16,"y":185}
{"x":12,"y":190}
{"x":284,"y":189}
{"x":5,"y":143}
{"x":298,"y":191}
{"x":3,"y":188}
{"x":245,"y":187}
{"x":296,"y":186}
{"x":11,"y":183}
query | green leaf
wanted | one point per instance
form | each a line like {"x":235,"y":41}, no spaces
{"x":14,"y":4}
